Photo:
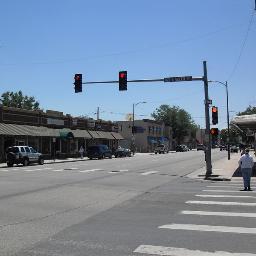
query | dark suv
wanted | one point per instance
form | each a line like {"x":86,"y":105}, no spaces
{"x":99,"y":151}
{"x":23,"y":155}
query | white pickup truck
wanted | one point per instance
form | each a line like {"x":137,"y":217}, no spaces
{"x":161,"y":149}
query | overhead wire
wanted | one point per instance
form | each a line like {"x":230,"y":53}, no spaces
{"x":242,"y":47}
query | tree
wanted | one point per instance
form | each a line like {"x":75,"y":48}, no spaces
{"x":18,"y":100}
{"x":249,"y":111}
{"x":234,"y":135}
{"x":179,"y":119}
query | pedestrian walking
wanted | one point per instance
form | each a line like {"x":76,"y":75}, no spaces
{"x":81,"y":151}
{"x":246,"y":164}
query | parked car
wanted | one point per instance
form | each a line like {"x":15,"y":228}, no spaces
{"x":122,"y":152}
{"x":234,"y":149}
{"x":182,"y":148}
{"x":223,"y":147}
{"x":23,"y":155}
{"x":161,"y":149}
{"x":99,"y":151}
{"x":200,"y":147}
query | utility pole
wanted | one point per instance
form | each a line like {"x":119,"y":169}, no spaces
{"x":207,"y":126}
{"x":98,"y":113}
{"x":228,"y":139}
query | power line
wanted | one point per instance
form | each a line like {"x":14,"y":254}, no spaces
{"x":242,"y":47}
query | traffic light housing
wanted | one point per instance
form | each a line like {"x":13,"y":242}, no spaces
{"x":123,"y":81}
{"x":78,"y":83}
{"x":214,"y":131}
{"x":214,"y":115}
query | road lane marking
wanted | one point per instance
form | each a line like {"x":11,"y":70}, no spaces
{"x":208,"y":228}
{"x":59,"y":170}
{"x":228,"y":186}
{"x":174,"y":251}
{"x":4,"y":170}
{"x":225,"y":214}
{"x":91,"y":170}
{"x":225,"y":191}
{"x":225,"y":196}
{"x":148,"y":173}
{"x":220,"y":203}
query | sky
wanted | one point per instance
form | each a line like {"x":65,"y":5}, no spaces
{"x":44,"y":43}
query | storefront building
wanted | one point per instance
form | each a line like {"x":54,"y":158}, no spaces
{"x":53,"y":133}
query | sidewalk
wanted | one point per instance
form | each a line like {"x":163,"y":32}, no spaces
{"x":222,"y":170}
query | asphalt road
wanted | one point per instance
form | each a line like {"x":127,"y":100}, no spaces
{"x":124,"y":206}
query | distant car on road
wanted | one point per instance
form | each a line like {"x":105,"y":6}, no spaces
{"x":23,"y":155}
{"x":161,"y":149}
{"x":182,"y":148}
{"x":99,"y":151}
{"x":122,"y":152}
{"x":234,"y":149}
{"x":200,"y":147}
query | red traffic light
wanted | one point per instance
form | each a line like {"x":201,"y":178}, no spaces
{"x":214,"y":131}
{"x":78,"y":83}
{"x":214,"y":109}
{"x":122,"y":75}
{"x":122,"y":80}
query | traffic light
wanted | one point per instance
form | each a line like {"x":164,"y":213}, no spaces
{"x":214,"y":131}
{"x":214,"y":115}
{"x":78,"y":83}
{"x":123,"y":81}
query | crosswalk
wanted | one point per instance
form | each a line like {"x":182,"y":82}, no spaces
{"x":32,"y":169}
{"x":227,"y":195}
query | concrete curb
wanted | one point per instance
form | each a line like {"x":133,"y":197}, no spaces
{"x":222,"y":170}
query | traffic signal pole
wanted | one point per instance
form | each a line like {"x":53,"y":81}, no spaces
{"x":207,"y":126}
{"x":207,"y":103}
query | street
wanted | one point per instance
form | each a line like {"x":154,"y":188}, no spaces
{"x":141,"y":205}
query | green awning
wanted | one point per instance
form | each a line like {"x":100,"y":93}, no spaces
{"x":66,"y":135}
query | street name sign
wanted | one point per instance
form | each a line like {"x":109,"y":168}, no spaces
{"x":178,"y":78}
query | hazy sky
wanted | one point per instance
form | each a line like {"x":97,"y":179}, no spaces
{"x":44,"y":43}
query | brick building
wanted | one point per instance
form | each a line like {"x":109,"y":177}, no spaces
{"x":52,"y":132}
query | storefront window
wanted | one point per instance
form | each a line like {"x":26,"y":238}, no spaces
{"x":46,"y":145}
{"x":33,"y":142}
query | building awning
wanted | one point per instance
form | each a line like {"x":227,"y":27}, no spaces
{"x":81,"y":134}
{"x":106,"y":135}
{"x":27,"y":130}
{"x":65,"y":134}
{"x":245,"y":122}
{"x":117,"y":135}
{"x":94,"y":134}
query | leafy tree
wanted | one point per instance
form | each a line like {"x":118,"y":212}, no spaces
{"x":18,"y":100}
{"x":179,"y":119}
{"x":234,"y":135}
{"x":249,"y":111}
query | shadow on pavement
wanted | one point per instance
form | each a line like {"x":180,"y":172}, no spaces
{"x":238,"y":173}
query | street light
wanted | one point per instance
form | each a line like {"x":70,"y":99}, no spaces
{"x":226,"y":85}
{"x":133,"y":137}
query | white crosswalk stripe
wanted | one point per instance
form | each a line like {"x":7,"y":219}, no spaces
{"x":226,"y":191}
{"x":224,"y":196}
{"x":220,"y":203}
{"x":223,"y":214}
{"x":172,"y":251}
{"x":208,"y":228}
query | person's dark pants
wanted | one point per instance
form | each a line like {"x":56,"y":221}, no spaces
{"x":247,"y":173}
